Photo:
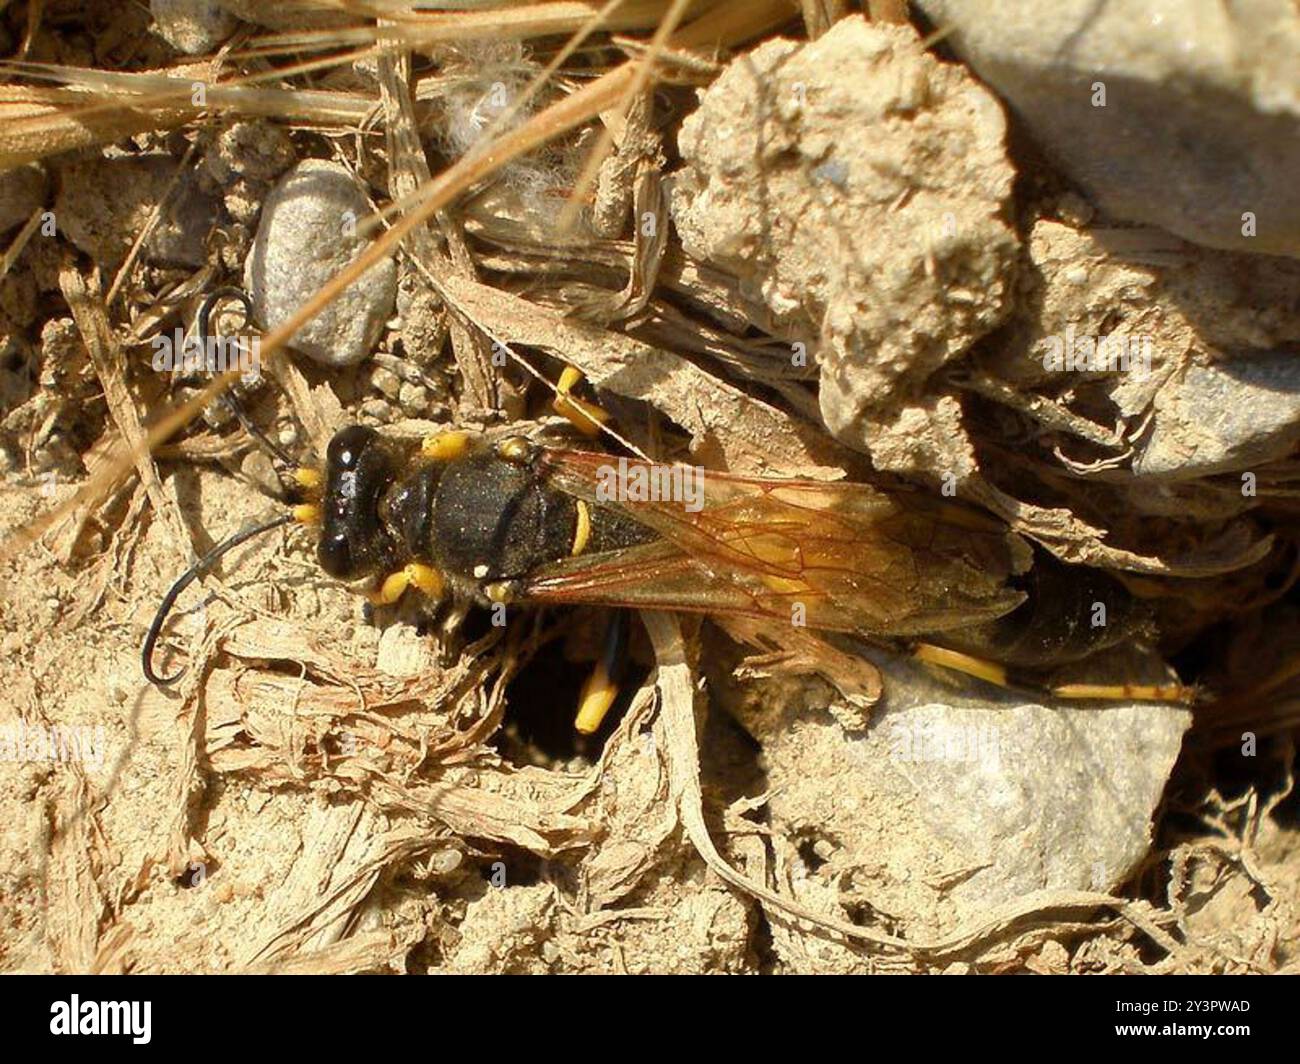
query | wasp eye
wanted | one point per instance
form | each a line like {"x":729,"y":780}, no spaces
{"x":334,"y":553}
{"x":347,"y":445}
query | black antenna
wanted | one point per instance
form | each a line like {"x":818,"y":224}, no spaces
{"x":194,"y":572}
{"x":206,"y":308}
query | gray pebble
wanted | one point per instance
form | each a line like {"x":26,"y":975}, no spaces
{"x":385,"y":381}
{"x":308,"y":234}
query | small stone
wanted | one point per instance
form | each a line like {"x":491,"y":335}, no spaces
{"x":377,"y":410}
{"x":1224,"y":417}
{"x":252,"y":150}
{"x":859,"y":246}
{"x":194,"y":27}
{"x":295,"y":17}
{"x":1074,"y":210}
{"x":960,"y":799}
{"x":180,"y":238}
{"x":413,"y":398}
{"x":385,"y":381}
{"x":309,"y":232}
{"x":104,"y":203}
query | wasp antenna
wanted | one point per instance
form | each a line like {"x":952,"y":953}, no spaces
{"x":206,"y":309}
{"x":193,"y":573}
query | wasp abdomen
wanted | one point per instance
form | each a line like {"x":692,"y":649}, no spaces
{"x":1070,"y":614}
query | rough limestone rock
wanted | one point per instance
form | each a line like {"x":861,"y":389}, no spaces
{"x":958,"y":800}
{"x":1201,"y":115}
{"x":860,"y":187}
{"x":1224,"y":417}
{"x":194,"y":27}
{"x":1202,"y":344}
{"x":103,"y":204}
{"x":311,"y":230}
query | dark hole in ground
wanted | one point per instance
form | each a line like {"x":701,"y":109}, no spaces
{"x":541,"y":702}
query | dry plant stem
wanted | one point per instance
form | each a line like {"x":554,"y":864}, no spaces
{"x":641,"y":71}
{"x":722,"y":26}
{"x":885,"y":10}
{"x":36,"y":122}
{"x":408,"y":171}
{"x":821,"y":15}
{"x":151,"y":223}
{"x":513,"y":22}
{"x":88,"y":311}
{"x":20,"y":241}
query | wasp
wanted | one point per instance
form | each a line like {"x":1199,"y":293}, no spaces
{"x":512,"y":521}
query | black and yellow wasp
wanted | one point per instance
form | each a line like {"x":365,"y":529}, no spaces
{"x":514,"y":521}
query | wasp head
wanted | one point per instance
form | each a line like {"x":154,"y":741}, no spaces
{"x":359,"y":469}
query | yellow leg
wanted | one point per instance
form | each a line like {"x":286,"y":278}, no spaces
{"x":997,"y":674}
{"x":424,"y":577}
{"x":586,"y":417}
{"x":964,"y":663}
{"x":601,"y":688}
{"x":1135,"y":692}
{"x":598,"y":694}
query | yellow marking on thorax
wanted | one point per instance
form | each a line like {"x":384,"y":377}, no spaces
{"x":582,"y":534}
{"x":444,"y":446}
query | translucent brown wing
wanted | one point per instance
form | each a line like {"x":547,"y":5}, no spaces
{"x":845,"y":557}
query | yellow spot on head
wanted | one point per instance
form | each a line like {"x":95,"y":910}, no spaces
{"x":445,"y":446}
{"x":307,"y":514}
{"x":498,"y":592}
{"x":307,"y":477}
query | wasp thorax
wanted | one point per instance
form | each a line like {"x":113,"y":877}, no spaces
{"x":493,"y":518}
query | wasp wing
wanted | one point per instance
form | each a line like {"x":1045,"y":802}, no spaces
{"x":835,"y":556}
